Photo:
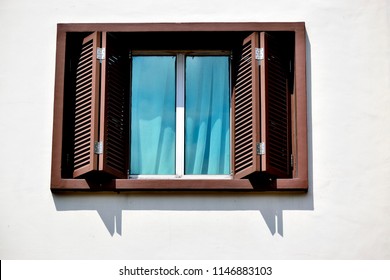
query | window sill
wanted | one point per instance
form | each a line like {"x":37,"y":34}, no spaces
{"x":119,"y":185}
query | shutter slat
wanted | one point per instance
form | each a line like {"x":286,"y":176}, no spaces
{"x":86,"y":106}
{"x":246,"y":111}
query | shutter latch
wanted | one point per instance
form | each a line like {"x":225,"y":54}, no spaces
{"x":98,"y":148}
{"x":260,"y":148}
{"x":259,"y":53}
{"x":101,"y":54}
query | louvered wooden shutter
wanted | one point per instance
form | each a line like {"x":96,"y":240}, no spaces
{"x":261,"y":109}
{"x":86,"y":106}
{"x":246,"y":111}
{"x":275,"y":108}
{"x":114,"y":121}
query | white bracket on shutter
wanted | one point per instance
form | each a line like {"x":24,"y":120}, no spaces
{"x":98,"y":148}
{"x":259,"y":53}
{"x":260,"y":148}
{"x":101,"y":54}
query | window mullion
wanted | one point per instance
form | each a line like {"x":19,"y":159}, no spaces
{"x":180,"y":114}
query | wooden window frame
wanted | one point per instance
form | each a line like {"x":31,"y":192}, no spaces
{"x":299,"y":180}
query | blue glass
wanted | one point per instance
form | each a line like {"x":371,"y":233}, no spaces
{"x":153,"y":115}
{"x":207,"y":115}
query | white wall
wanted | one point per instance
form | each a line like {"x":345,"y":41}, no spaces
{"x":345,"y":215}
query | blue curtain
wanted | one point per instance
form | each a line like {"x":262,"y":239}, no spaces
{"x":207,"y":120}
{"x":153,"y":118}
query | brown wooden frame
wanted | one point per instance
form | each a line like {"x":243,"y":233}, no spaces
{"x":299,"y":180}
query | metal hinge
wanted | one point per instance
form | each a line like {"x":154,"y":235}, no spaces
{"x":259,"y":53}
{"x":101,"y":54}
{"x":98,"y":148}
{"x":260,"y":148}
{"x":292,"y":161}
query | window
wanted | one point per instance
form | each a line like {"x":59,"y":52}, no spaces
{"x":187,"y":106}
{"x":180,"y":120}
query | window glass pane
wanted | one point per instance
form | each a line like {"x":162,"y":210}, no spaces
{"x":207,"y":118}
{"x":153,"y":115}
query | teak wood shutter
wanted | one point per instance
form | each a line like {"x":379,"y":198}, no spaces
{"x":275,"y":108}
{"x":101,"y":108}
{"x":261,"y":110}
{"x":114,"y":118}
{"x":86,"y":106}
{"x":246,"y":111}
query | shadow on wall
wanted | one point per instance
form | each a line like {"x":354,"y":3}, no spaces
{"x":111,"y":206}
{"x":270,"y":205}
